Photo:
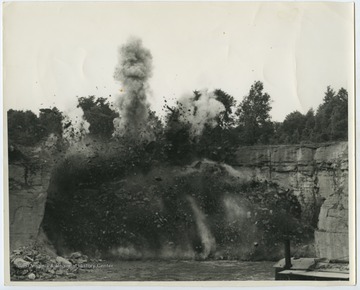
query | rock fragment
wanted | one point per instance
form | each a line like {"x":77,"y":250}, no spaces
{"x":63,"y":261}
{"x":21,"y":263}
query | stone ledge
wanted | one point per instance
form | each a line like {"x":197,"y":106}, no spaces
{"x":331,"y":245}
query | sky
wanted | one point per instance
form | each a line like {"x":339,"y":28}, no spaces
{"x":54,"y":52}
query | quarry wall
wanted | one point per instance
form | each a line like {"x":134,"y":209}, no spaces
{"x":29,"y":174}
{"x":318,"y":174}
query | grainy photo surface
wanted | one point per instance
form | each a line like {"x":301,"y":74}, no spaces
{"x":178,"y":141}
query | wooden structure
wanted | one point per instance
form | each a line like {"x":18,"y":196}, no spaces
{"x":311,"y":269}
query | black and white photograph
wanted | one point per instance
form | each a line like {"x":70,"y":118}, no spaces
{"x":179,"y":142}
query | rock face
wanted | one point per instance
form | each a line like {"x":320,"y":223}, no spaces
{"x":29,"y":177}
{"x":319,"y":177}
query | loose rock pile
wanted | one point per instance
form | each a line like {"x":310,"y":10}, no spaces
{"x":33,"y":263}
{"x":327,"y":266}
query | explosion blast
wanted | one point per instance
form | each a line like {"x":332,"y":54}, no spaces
{"x":133,"y":71}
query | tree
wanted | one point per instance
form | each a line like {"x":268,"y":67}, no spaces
{"x":254,"y":116}
{"x":225,"y":119}
{"x":99,"y":115}
{"x":330,"y":123}
{"x":218,"y":142}
{"x":332,"y":116}
{"x":281,"y":219}
{"x":292,"y":127}
{"x":308,"y":132}
{"x":155,"y":124}
{"x":277,"y":134}
{"x":339,"y":117}
{"x":23,"y":127}
{"x":50,"y":121}
{"x":177,"y":134}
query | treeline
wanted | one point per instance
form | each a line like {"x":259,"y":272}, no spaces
{"x":26,"y":128}
{"x":249,"y":123}
{"x":328,"y":123}
{"x":245,"y":123}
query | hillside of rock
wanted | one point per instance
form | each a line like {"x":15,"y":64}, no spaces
{"x":317,"y":175}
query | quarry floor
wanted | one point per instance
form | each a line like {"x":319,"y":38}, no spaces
{"x":179,"y":271}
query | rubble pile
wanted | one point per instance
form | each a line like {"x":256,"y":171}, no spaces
{"x":325,"y":265}
{"x":33,"y":263}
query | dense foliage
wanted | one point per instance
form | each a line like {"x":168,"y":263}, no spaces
{"x":246,"y":123}
{"x":99,"y":115}
{"x":26,"y":128}
{"x":254,"y":116}
{"x":329,"y":123}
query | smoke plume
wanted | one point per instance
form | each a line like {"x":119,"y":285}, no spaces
{"x":133,"y":72}
{"x":207,"y":239}
{"x":200,"y":110}
{"x":75,"y":127}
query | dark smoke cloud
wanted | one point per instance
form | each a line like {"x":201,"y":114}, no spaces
{"x":133,"y":71}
